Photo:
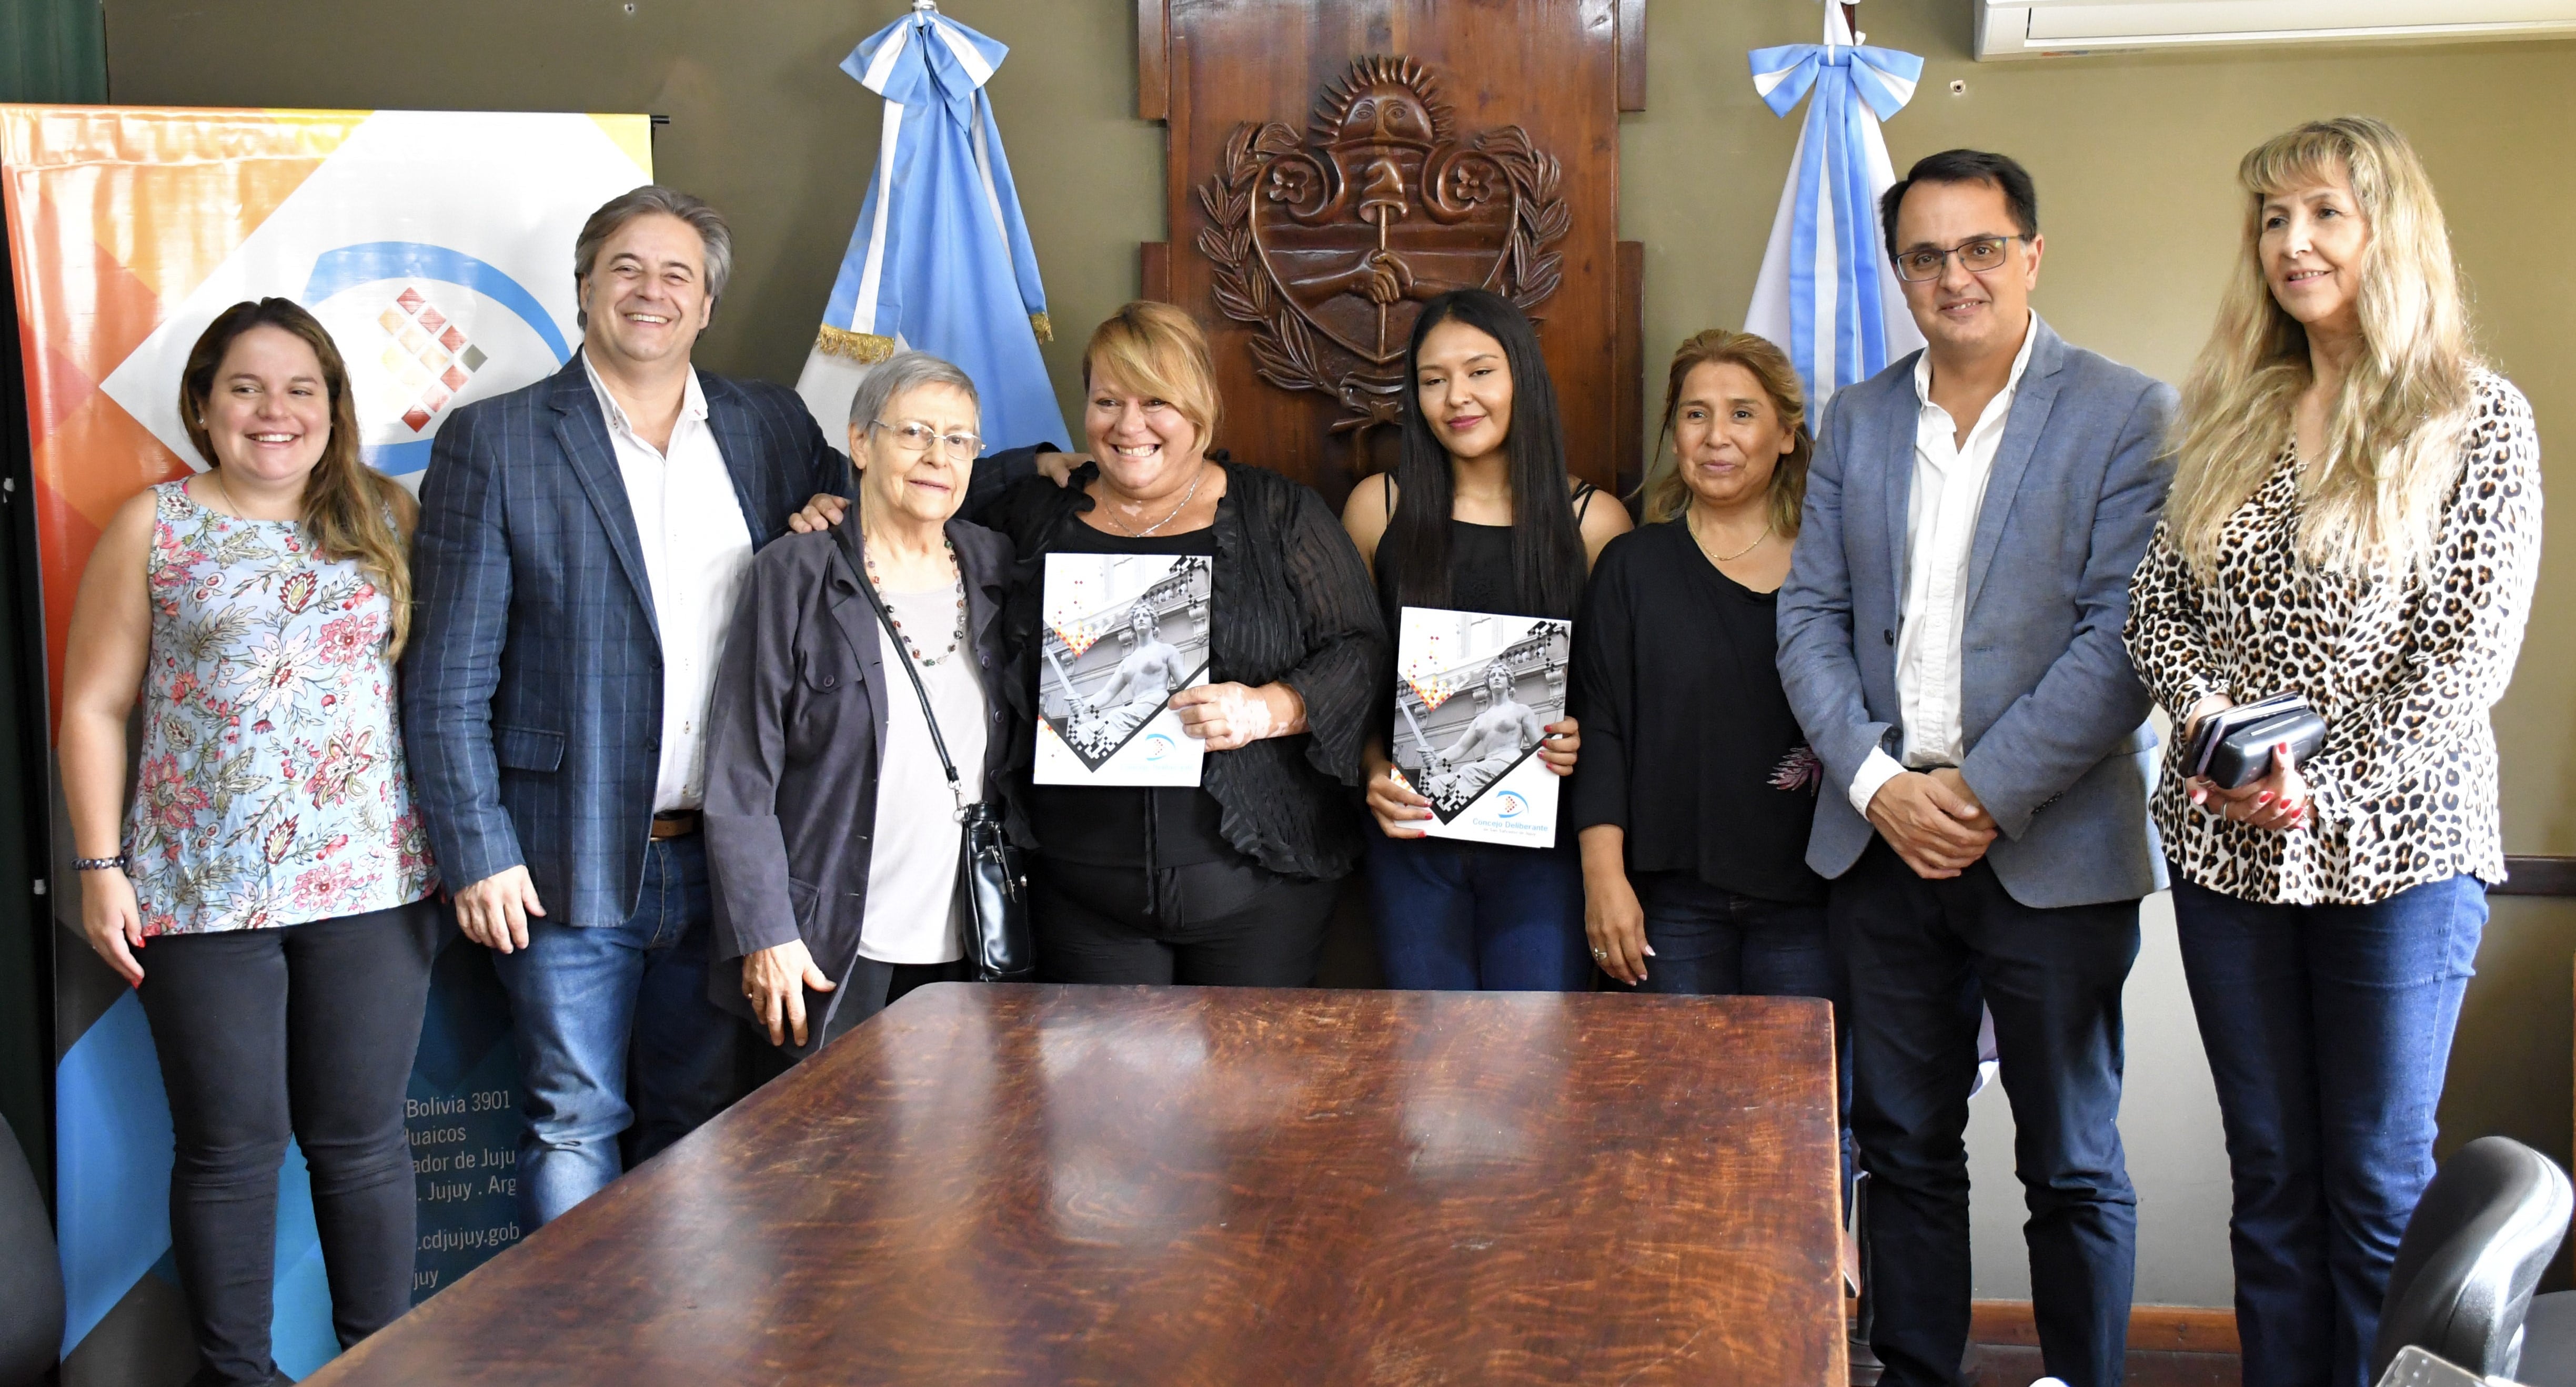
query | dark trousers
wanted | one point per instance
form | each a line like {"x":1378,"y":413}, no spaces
{"x":601,"y":1013}
{"x":1921,"y":954}
{"x":2328,"y":1030}
{"x":1207,"y":924}
{"x":305,"y":1031}
{"x":1711,"y":942}
{"x":1463,"y":917}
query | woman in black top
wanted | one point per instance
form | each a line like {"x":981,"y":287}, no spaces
{"x":1229,"y":883}
{"x":1450,"y":530}
{"x":1697,"y":788}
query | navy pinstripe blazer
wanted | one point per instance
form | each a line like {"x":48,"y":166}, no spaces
{"x":532,"y":687}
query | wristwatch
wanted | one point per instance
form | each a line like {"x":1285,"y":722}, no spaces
{"x":99,"y":864}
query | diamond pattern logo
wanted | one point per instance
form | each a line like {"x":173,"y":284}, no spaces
{"x":428,"y":354}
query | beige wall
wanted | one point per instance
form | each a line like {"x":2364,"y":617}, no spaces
{"x":2133,"y":158}
{"x":763,"y":122}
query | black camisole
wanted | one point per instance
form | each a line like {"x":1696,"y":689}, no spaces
{"x":1480,"y":563}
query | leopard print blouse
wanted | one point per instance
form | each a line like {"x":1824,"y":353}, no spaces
{"x":2403,"y":672}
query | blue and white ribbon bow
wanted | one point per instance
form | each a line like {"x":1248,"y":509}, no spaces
{"x":941,"y":260}
{"x":1827,"y":294}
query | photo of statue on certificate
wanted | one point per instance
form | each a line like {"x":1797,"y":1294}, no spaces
{"x":1474,"y":694}
{"x":1123,"y":633}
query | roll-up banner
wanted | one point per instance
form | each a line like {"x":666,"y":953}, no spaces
{"x":437,"y":248}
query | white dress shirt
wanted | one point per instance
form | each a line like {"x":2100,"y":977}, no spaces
{"x":1940,"y":535}
{"x":696,"y":548}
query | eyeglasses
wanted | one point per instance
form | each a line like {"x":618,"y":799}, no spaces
{"x":1977,"y":257}
{"x":916,"y":437}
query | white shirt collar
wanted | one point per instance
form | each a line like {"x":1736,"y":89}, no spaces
{"x":693,"y":400}
{"x":2012,"y":383}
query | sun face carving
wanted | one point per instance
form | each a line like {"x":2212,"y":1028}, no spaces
{"x":1383,"y":102}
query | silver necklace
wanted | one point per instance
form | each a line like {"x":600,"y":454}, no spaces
{"x":1166,"y":520}
{"x":1693,"y":527}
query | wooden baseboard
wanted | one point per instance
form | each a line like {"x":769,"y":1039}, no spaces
{"x":2162,"y":1328}
{"x":2537,"y":876}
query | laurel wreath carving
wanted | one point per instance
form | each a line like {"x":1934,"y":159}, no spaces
{"x":1284,"y":348}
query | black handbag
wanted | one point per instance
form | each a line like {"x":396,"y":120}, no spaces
{"x":2233,"y":747}
{"x":990,"y":874}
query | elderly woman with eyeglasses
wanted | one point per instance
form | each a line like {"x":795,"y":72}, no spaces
{"x":831,"y":836}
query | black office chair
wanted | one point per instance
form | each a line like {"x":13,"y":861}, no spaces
{"x":31,"y":1274}
{"x":2549,"y":1341}
{"x":2475,"y":1247}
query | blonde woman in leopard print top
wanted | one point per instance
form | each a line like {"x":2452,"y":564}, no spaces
{"x":2355,"y":517}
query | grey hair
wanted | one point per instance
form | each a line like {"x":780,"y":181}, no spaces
{"x":645,"y":201}
{"x":903,"y":371}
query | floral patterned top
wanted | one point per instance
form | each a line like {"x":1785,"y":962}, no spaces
{"x":273,"y":789}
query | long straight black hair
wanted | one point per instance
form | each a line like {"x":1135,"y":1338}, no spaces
{"x":1547,"y":545}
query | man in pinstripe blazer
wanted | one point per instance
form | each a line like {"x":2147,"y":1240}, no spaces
{"x":580,"y":544}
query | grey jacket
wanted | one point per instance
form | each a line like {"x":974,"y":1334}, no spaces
{"x":2054,"y":715}
{"x":795,"y":733}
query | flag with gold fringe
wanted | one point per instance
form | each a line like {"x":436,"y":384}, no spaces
{"x":941,"y":260}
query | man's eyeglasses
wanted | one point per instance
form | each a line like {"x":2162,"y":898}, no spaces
{"x":917,"y":437}
{"x":1977,"y":257}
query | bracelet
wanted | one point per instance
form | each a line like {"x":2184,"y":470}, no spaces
{"x":99,"y":864}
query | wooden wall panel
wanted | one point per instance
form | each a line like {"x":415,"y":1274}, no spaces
{"x":1551,"y":67}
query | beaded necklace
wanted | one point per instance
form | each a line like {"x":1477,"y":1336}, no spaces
{"x":956,"y":638}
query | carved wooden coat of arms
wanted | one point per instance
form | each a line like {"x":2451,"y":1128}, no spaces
{"x":1328,"y":249}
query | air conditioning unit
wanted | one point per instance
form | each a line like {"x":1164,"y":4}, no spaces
{"x":2050,"y":28}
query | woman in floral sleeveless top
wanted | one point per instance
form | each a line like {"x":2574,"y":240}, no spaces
{"x":271,"y":859}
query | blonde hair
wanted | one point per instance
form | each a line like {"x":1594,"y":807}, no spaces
{"x":1665,"y":493}
{"x":348,"y":506}
{"x":2392,"y":446}
{"x":1158,"y":349}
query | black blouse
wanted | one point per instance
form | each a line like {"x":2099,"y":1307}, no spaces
{"x":1688,"y":741}
{"x":1293,"y":604}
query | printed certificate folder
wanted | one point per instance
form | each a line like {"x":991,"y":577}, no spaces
{"x":1474,"y":693}
{"x":1124,"y":632}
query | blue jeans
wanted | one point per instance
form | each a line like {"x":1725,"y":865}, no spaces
{"x":1467,"y":917}
{"x":2328,"y":1030}
{"x":596,"y":1012}
{"x":1711,"y":942}
{"x":1922,"y":954}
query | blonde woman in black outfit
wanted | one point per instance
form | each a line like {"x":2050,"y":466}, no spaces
{"x":1696,"y":789}
{"x":1228,"y":884}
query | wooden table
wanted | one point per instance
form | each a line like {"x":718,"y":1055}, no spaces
{"x":1146,"y":1186}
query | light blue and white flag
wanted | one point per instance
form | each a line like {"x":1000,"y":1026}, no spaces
{"x":941,"y":260}
{"x":1827,"y":294}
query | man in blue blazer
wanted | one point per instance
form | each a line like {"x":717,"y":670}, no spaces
{"x":580,"y":545}
{"x":1950,"y":639}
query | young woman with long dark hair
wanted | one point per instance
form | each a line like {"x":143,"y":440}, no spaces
{"x":1478,"y":515}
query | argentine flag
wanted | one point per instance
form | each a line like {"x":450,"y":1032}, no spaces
{"x":1827,"y":294}
{"x":941,"y":260}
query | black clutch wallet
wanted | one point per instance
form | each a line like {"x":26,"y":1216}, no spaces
{"x":2233,"y":747}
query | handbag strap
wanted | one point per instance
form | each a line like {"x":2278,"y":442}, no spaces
{"x":885,"y":618}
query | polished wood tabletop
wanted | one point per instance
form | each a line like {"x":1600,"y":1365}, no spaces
{"x":1127,"y":1186}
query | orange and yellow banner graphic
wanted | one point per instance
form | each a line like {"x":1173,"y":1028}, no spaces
{"x":436,"y":246}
